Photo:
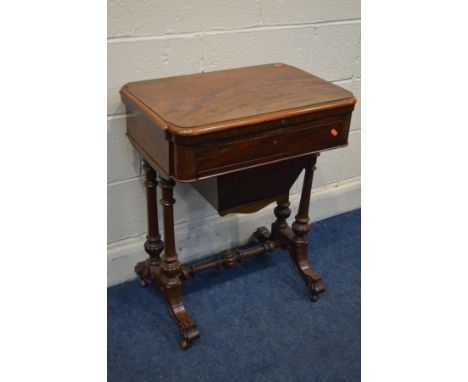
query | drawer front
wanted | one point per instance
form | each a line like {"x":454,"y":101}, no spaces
{"x":282,"y":143}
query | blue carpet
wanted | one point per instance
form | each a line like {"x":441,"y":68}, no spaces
{"x":256,"y":320}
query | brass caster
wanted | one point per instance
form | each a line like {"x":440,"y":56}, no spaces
{"x":184,"y":344}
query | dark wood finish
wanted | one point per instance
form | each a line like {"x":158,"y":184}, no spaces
{"x":298,"y":246}
{"x":168,"y":274}
{"x":190,"y":104}
{"x":208,"y":124}
{"x":241,"y":137}
{"x":282,"y":213}
{"x":150,"y":142}
{"x":294,"y":239}
{"x":153,"y":245}
{"x":229,"y":258}
{"x":245,"y":191}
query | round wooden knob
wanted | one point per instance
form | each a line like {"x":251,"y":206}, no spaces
{"x":333,"y":132}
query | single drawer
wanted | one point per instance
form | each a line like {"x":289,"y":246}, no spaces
{"x":281,"y":143}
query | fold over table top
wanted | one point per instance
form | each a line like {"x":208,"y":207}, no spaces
{"x":202,"y":103}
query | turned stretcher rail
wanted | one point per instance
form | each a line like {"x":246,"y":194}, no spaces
{"x":229,"y":258}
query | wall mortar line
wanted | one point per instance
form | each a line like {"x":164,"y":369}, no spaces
{"x":265,"y":27}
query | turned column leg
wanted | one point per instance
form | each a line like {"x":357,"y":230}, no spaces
{"x":153,"y":244}
{"x":299,"y":244}
{"x":282,"y":212}
{"x":168,"y":273}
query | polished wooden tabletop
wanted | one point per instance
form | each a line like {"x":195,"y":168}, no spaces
{"x":197,"y":103}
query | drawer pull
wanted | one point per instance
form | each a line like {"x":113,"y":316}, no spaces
{"x":333,"y":132}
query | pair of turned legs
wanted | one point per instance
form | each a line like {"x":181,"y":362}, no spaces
{"x":167,"y":272}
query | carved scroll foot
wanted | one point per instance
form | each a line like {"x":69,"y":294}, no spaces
{"x":298,"y":237}
{"x":312,"y":280}
{"x":316,"y":286}
{"x":171,"y":286}
{"x":187,"y":326}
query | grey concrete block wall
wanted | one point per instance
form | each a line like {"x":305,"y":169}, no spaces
{"x":153,"y":39}
{"x":160,"y":17}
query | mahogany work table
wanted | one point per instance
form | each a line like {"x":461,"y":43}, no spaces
{"x":241,"y":137}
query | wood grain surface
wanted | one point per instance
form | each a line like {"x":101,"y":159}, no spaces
{"x":206,"y":102}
